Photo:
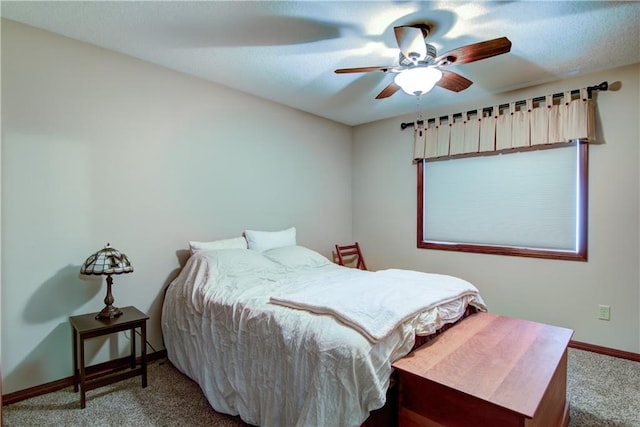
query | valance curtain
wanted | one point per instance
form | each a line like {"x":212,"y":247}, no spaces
{"x":554,"y":120}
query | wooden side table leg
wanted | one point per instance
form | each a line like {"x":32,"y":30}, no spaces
{"x":75,"y":359}
{"x":133,"y":348}
{"x":143,"y":352}
{"x":83,"y":399}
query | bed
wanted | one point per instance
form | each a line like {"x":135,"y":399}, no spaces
{"x":284,"y":337}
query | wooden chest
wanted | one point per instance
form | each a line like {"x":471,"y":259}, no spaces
{"x":487,"y":371}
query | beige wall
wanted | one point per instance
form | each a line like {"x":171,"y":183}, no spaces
{"x":98,"y":147}
{"x":565,"y":293}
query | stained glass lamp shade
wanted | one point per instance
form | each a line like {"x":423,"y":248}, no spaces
{"x":107,"y":261}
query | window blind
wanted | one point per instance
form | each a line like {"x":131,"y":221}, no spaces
{"x":527,"y":200}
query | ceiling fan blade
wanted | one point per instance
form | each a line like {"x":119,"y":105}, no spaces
{"x":475,"y":52}
{"x":453,"y":81}
{"x":362,"y":70}
{"x":388,"y":91}
{"x":411,"y":42}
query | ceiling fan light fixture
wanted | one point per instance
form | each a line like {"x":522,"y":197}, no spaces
{"x":418,"y":80}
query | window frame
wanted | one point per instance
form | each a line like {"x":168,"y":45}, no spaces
{"x":582,"y":210}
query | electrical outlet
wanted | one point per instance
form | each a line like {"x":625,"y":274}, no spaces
{"x":604,"y":312}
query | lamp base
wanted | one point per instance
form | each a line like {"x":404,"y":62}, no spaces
{"x":109,"y":312}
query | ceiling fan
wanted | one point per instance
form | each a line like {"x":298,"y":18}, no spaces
{"x":419,"y":66}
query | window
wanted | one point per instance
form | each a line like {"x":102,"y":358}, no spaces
{"x":525,"y":203}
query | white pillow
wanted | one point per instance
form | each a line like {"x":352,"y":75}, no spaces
{"x":296,"y":256}
{"x":234,"y":243}
{"x":241,"y":263}
{"x":264,"y":240}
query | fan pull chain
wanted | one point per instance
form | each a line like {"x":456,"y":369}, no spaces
{"x":418,"y":113}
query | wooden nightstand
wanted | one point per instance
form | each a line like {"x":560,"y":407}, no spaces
{"x":87,"y":326}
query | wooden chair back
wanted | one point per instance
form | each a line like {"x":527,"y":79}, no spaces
{"x":350,"y":254}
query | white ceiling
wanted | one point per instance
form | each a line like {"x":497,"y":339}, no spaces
{"x":287,"y":51}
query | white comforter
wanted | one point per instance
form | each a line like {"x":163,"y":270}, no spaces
{"x":376,"y":303}
{"x":277,"y":366}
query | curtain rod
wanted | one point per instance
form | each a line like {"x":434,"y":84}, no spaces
{"x":602,"y":86}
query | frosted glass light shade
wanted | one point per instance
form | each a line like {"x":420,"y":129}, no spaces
{"x":418,"y":80}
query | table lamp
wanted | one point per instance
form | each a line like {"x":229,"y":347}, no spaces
{"x":107,"y":261}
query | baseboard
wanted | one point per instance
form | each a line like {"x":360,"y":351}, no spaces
{"x":52,"y":386}
{"x":629,"y":355}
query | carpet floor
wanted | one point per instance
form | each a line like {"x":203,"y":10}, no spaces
{"x":603,"y":391}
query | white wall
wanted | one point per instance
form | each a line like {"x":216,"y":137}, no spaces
{"x":99,"y":147}
{"x":565,"y":293}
